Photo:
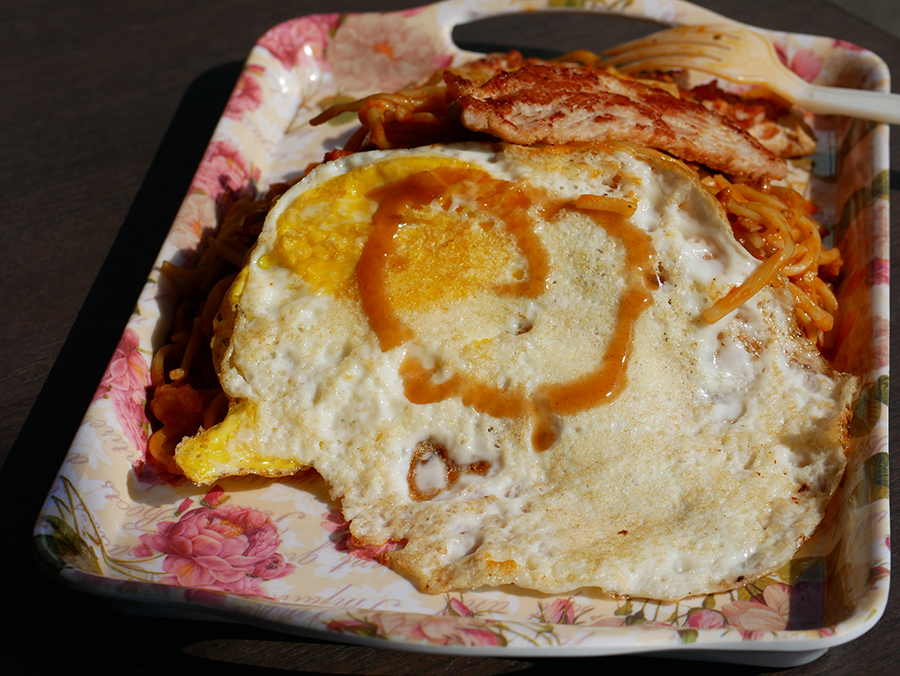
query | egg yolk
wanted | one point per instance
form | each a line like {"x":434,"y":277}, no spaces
{"x":322,"y":234}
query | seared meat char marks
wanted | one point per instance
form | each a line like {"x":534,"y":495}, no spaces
{"x":560,"y":104}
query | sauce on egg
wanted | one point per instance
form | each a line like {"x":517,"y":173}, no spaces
{"x":509,"y":204}
{"x":682,"y":453}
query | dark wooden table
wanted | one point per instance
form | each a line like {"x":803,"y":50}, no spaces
{"x":105,"y":109}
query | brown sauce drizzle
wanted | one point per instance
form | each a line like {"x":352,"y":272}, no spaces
{"x":509,"y":203}
{"x":422,"y":452}
{"x":395,"y":202}
{"x":607,"y":380}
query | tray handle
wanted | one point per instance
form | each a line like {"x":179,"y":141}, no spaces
{"x":453,"y":13}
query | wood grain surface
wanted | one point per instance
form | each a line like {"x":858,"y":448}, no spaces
{"x":105,"y":110}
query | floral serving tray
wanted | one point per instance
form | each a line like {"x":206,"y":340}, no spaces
{"x":276,"y":553}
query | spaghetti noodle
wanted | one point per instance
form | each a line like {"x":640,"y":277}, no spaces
{"x":405,"y":119}
{"x":185,"y":389}
{"x":772,"y":225}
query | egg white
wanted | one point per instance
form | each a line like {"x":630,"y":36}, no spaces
{"x":708,"y":469}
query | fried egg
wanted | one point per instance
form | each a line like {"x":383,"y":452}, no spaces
{"x":496,"y":358}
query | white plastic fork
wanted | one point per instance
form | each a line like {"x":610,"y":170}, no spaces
{"x":745,"y":56}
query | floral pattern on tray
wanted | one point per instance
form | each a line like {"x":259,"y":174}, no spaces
{"x":278,"y":551}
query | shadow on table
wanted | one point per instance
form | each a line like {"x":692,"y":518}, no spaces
{"x":51,"y":625}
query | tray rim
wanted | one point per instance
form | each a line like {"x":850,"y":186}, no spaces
{"x":790,"y":641}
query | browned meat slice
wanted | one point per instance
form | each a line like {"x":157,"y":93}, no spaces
{"x":556,"y":104}
{"x":779,"y":128}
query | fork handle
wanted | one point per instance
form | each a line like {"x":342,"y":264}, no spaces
{"x":860,"y":103}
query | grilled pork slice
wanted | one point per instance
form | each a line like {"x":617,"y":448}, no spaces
{"x":778,"y":127}
{"x":557,"y":104}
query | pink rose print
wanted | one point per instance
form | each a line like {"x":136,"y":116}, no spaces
{"x":848,"y":46}
{"x":704,"y":618}
{"x":294,"y":42}
{"x":127,"y":371}
{"x":225,"y":548}
{"x":124,"y":383}
{"x":435,"y":630}
{"x":132,"y":417}
{"x":224,"y":173}
{"x":456,"y":608}
{"x":558,"y":611}
{"x":880,"y":271}
{"x":805,"y":63}
{"x":753,"y":616}
{"x":879,"y":573}
{"x":609,"y":622}
{"x":247,"y":93}
{"x":779,"y":607}
{"x":379,"y":52}
{"x":411,"y":12}
{"x":335,"y":524}
{"x":214,"y":497}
